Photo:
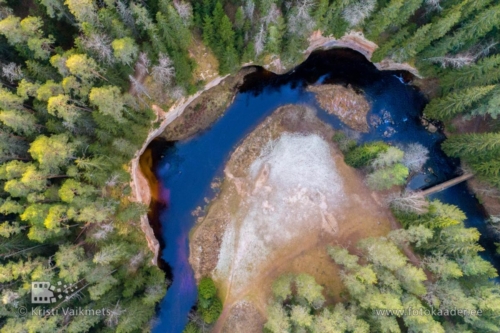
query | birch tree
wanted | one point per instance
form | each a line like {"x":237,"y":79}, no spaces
{"x":164,"y":72}
{"x":109,"y":101}
{"x":83,"y":67}
{"x":100,"y":44}
{"x":415,"y":156}
{"x":125,"y":50}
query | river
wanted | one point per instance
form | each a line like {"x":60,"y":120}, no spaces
{"x":187,"y":168}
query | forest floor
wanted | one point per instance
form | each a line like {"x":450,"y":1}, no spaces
{"x":354,"y":213}
{"x":207,"y":65}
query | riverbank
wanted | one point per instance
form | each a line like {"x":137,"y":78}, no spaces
{"x":354,"y":40}
{"x":139,"y":183}
{"x":205,"y":108}
{"x":198,"y":114}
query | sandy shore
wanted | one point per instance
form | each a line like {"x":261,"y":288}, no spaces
{"x":297,"y":244}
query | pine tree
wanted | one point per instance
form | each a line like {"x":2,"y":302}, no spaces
{"x":26,"y":89}
{"x":301,"y":316}
{"x":387,"y":48}
{"x":385,"y":178}
{"x":282,"y":287}
{"x":490,"y":105}
{"x":40,"y":46}
{"x":10,"y":27}
{"x":9,"y":100}
{"x":486,"y":71}
{"x":23,"y":123}
{"x":480,"y":151}
{"x":471,"y":31}
{"x":12,"y":147}
{"x":456,"y":102}
{"x":71,"y":262}
{"x":277,"y":320}
{"x":61,"y":107}
{"x":27,"y":32}
{"x":382,"y":19}
{"x":55,"y":8}
{"x":309,"y":290}
{"x":83,"y":10}
{"x":109,"y":101}
{"x":52,"y":152}
{"x":48,"y":89}
{"x":83,"y":67}
{"x":406,"y":11}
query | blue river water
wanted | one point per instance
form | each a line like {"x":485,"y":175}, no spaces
{"x":188,"y":167}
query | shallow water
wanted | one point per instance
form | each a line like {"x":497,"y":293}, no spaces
{"x":188,"y":167}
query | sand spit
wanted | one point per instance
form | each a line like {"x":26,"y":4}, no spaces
{"x":287,"y":193}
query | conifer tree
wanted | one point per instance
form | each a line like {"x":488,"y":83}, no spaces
{"x":52,"y":152}
{"x":428,"y":33}
{"x":489,"y":105}
{"x":406,"y":11}
{"x":23,"y":123}
{"x":83,"y":10}
{"x":480,"y":151}
{"x":383,"y":19}
{"x":108,"y":100}
{"x":471,"y":31}
{"x":485,"y":72}
{"x":456,"y":102}
{"x":387,"y":48}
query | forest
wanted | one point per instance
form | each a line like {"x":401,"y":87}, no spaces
{"x":78,"y":79}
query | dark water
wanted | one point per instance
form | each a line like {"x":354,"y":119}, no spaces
{"x":188,"y":167}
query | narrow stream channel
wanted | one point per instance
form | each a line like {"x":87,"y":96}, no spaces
{"x":187,"y":168}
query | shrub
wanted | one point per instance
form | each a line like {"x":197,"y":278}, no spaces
{"x":191,"y":328}
{"x":207,"y":289}
{"x":385,"y":178}
{"x":212,"y":313}
{"x":363,"y":155}
{"x":344,"y":143}
{"x":209,"y":305}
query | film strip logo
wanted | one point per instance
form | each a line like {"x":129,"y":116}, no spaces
{"x":47,"y":293}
